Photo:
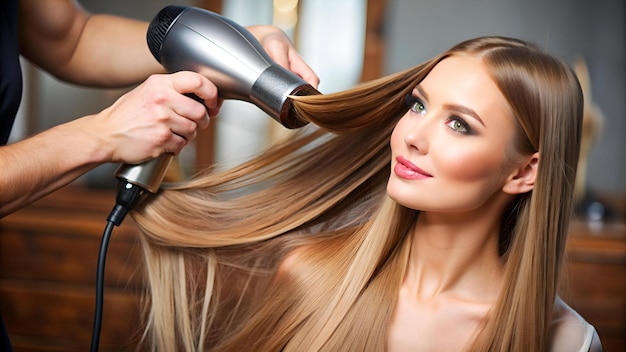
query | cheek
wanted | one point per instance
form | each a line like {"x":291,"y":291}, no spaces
{"x":469,"y":163}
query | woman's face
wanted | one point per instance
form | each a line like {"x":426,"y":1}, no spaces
{"x":450,"y":150}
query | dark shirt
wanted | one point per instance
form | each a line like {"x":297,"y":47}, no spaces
{"x":10,"y":71}
{"x":10,"y":92}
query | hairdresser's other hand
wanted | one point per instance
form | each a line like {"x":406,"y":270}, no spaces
{"x":280,"y":48}
{"x":156,"y":117}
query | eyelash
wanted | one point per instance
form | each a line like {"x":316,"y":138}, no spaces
{"x":466,"y":127}
{"x":411,"y":102}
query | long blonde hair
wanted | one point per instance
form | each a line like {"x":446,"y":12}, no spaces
{"x":300,"y":249}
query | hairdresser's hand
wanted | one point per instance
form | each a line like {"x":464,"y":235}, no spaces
{"x":156,"y":117}
{"x":280,"y":48}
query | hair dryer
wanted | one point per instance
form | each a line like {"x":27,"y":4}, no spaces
{"x":194,"y":39}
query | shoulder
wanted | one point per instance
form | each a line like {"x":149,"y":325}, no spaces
{"x":49,"y":29}
{"x":54,"y":17}
{"x":569,"y":331}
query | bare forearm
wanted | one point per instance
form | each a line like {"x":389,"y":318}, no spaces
{"x":39,"y":165}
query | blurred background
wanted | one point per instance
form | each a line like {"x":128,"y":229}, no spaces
{"x":48,"y":251}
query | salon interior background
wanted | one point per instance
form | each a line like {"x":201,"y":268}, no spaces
{"x":331,"y":36}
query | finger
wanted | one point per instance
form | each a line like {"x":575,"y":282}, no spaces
{"x":165,"y":140}
{"x":195,"y":88}
{"x":278,"y":49}
{"x":193,"y":83}
{"x":214,"y":112}
{"x":300,"y":67}
{"x":285,"y":54}
{"x":175,"y":144}
{"x":183,"y":127}
{"x":190,"y":109}
{"x":204,"y":122}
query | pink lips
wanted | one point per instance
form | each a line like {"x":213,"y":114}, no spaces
{"x":407,"y":170}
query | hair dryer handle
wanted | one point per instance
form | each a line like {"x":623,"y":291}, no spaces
{"x":147,"y":175}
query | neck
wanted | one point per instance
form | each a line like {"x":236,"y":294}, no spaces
{"x":455,"y":254}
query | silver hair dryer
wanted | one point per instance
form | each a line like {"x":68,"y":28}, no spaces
{"x":194,"y":39}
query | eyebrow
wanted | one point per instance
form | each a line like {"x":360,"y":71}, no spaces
{"x":465,"y":110}
{"x":455,"y":107}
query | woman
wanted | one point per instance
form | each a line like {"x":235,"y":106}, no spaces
{"x":451,"y":239}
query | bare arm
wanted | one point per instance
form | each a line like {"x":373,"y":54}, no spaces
{"x":83,"y":48}
{"x":36,"y":166}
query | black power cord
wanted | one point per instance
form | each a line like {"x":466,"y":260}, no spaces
{"x":128,"y":195}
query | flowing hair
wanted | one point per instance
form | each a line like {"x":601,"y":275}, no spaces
{"x":300,"y":249}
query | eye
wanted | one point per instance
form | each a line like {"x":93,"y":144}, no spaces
{"x":415,"y":104}
{"x":459,"y":125}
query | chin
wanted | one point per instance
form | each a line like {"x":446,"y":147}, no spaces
{"x":424,"y":204}
{"x":405,"y":195}
{"x":404,"y":199}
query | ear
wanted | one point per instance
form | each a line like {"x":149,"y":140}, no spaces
{"x":522,"y":179}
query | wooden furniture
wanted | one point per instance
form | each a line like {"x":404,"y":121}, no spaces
{"x":596,"y":265}
{"x":48,"y":258}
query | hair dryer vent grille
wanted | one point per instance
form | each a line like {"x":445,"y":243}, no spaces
{"x":159,"y":26}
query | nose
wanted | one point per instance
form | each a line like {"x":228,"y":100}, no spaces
{"x":417,"y":135}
